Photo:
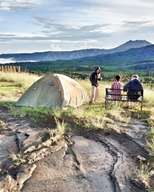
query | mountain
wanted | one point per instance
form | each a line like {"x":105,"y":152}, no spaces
{"x":136,"y":58}
{"x":51,"y":55}
{"x":139,"y":59}
{"x":130,"y":45}
{"x":69,"y":55}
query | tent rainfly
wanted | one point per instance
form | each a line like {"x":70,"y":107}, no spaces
{"x":54,"y":91}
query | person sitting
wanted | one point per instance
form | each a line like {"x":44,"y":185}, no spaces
{"x":116,"y":88}
{"x":134,"y":88}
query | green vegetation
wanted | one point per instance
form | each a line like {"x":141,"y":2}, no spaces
{"x":147,"y":166}
{"x":87,"y":117}
{"x":81,"y":69}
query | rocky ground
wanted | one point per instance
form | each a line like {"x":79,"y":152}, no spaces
{"x":34,"y":159}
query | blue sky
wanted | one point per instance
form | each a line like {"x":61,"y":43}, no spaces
{"x":42,"y":25}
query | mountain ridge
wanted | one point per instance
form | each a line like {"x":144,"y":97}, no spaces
{"x":70,"y":55}
{"x":140,"y":58}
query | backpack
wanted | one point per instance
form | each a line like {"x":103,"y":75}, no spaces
{"x":90,"y":77}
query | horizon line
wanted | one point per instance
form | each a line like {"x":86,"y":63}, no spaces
{"x":71,"y":50}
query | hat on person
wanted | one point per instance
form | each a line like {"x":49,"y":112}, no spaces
{"x":135,"y":77}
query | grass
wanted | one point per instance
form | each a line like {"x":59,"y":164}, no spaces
{"x":149,"y":98}
{"x":145,"y":173}
{"x":102,"y":85}
{"x":2,"y":124}
{"x":95,"y":117}
{"x":12,"y":85}
{"x":147,"y":168}
{"x":24,"y":79}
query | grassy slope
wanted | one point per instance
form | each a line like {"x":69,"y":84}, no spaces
{"x":12,"y":85}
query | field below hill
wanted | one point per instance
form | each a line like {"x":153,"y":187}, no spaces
{"x":83,"y":149}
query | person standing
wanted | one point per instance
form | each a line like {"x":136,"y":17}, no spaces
{"x":94,"y":78}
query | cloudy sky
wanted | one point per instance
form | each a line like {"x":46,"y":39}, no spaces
{"x":41,"y":25}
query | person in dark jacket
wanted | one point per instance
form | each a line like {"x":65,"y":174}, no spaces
{"x":95,"y":77}
{"x":134,"y":88}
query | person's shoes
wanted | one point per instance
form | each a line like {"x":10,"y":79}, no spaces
{"x":91,"y":102}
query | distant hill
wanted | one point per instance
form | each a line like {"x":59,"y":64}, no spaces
{"x":136,"y":59}
{"x":130,"y":45}
{"x":140,"y":59}
{"x":69,"y":55}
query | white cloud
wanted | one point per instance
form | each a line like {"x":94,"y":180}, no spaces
{"x":17,"y":4}
{"x":74,"y":24}
{"x":60,"y":45}
{"x":5,"y":61}
{"x":6,"y":37}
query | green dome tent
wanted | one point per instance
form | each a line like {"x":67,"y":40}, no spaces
{"x":54,"y":91}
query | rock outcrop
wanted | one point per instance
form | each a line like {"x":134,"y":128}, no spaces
{"x":41,"y":159}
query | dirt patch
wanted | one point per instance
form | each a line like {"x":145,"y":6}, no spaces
{"x":89,"y":161}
